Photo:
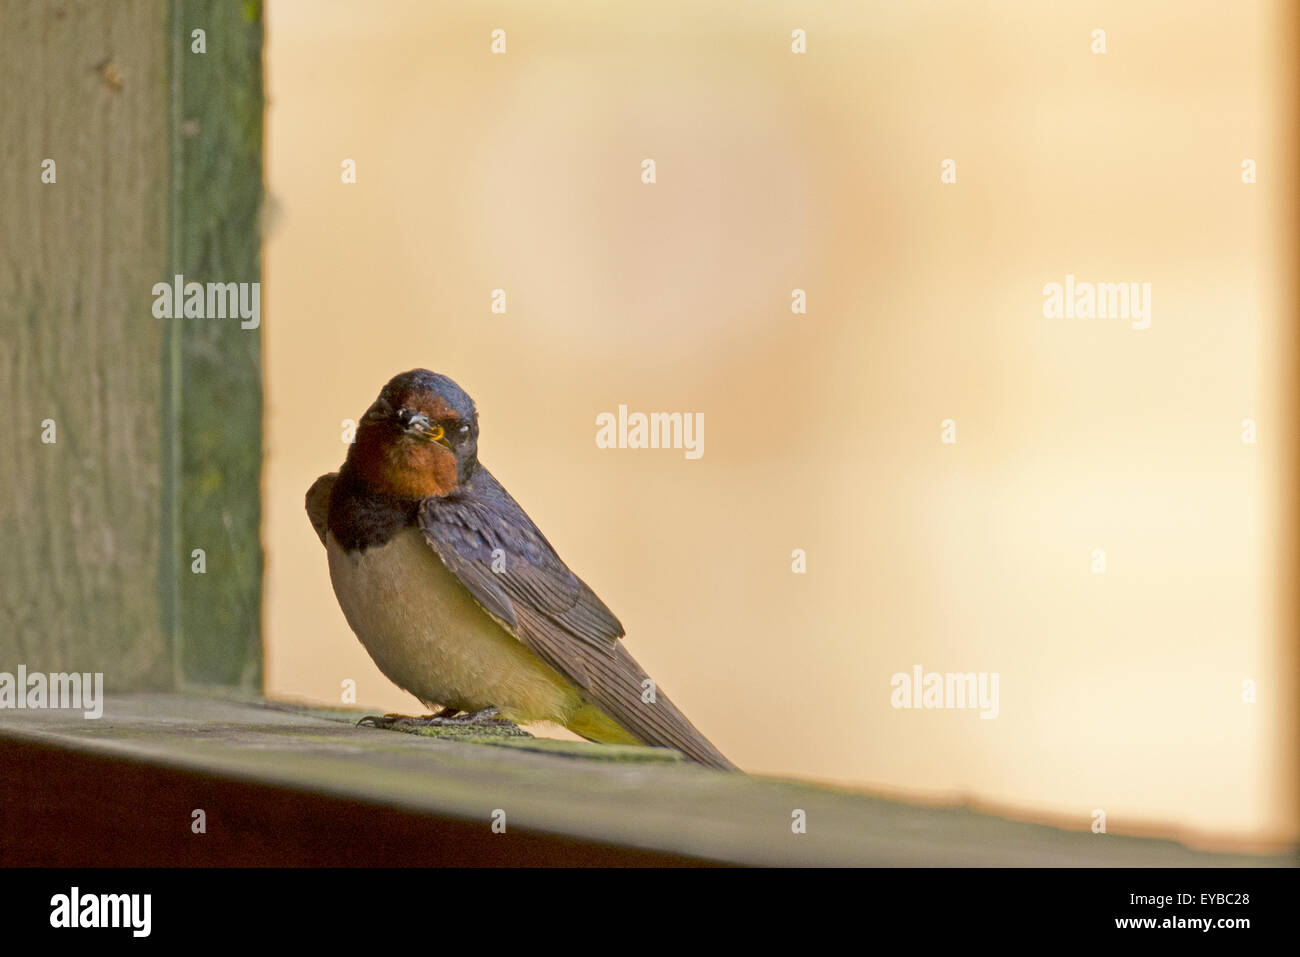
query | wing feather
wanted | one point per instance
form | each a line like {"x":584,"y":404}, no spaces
{"x":318,"y":503}
{"x":489,"y":543}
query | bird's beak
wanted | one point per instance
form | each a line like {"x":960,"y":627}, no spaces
{"x":417,"y":425}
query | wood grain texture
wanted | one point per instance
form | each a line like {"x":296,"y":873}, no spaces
{"x":85,"y":84}
{"x":158,"y":151}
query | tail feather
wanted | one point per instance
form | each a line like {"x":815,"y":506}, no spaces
{"x":618,"y":689}
{"x":594,"y":725}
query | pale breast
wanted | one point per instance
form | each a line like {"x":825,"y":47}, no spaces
{"x":428,"y":636}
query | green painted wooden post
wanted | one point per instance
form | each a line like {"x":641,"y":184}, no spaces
{"x":216,"y":236}
{"x":156,"y":170}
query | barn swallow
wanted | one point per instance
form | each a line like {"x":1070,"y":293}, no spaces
{"x":457,"y":596}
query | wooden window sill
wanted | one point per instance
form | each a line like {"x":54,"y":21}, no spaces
{"x":287,"y":785}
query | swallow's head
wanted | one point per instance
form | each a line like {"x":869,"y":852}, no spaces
{"x":419,"y":438}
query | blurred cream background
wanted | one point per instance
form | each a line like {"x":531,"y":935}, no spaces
{"x":821,"y":171}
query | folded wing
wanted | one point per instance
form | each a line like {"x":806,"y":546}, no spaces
{"x":489,"y":543}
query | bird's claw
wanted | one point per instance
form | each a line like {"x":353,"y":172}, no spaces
{"x":381,"y":721}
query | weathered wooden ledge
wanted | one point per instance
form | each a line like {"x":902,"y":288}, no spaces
{"x":289,"y":785}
